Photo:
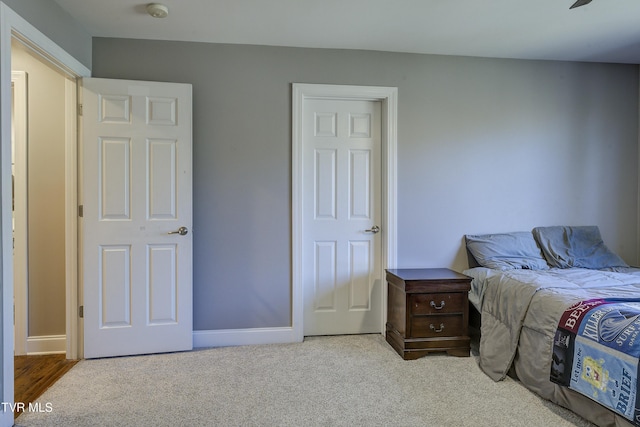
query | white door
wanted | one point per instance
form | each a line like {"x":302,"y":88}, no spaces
{"x":341,"y":217}
{"x":136,"y":196}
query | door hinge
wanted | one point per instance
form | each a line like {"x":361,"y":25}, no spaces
{"x":81,"y":311}
{"x":81,"y":211}
{"x":79,"y":109}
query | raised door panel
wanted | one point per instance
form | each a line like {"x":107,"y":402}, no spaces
{"x":114,"y":186}
{"x":162,"y":179}
{"x":325,"y":284}
{"x":115,"y":286}
{"x":325,"y":190}
{"x":360,"y":258}
{"x":162,"y":284}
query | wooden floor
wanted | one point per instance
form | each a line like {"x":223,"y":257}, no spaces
{"x":35,"y":374}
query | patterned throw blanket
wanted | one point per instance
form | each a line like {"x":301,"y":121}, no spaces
{"x":596,"y":350}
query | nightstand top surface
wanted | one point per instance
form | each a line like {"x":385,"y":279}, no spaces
{"x":409,"y":274}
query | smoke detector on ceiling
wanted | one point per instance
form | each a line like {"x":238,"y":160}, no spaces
{"x":157,"y":10}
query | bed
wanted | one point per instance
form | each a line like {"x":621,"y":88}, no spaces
{"x":525,"y":284}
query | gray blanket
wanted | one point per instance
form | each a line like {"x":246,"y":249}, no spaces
{"x":520,"y":313}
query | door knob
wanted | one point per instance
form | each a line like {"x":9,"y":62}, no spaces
{"x":375,"y":229}
{"x":181,"y":231}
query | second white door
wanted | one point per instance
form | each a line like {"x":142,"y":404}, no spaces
{"x":342,"y":217}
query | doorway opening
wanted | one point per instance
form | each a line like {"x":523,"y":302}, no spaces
{"x":39,"y":232}
{"x":44,"y":178}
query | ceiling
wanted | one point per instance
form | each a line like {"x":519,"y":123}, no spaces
{"x":602,"y":31}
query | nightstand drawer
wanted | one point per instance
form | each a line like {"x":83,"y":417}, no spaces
{"x":438,"y":303}
{"x":437,"y":326}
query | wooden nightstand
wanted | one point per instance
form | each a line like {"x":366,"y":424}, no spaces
{"x":428,"y":311}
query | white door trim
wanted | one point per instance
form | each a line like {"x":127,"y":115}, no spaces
{"x":19,"y":157}
{"x":13,"y":25}
{"x":388,"y":96}
{"x":72,"y":297}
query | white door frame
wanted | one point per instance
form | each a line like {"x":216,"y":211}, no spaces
{"x":13,"y":25}
{"x":19,"y":158}
{"x":388,"y":96}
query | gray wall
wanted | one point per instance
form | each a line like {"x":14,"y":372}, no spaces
{"x":485,"y":145}
{"x":57,"y":24}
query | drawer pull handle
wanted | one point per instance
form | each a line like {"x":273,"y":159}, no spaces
{"x":440,"y":307}
{"x":437,"y":331}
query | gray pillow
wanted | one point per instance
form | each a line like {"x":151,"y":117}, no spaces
{"x":506,"y":251}
{"x":575,"y":246}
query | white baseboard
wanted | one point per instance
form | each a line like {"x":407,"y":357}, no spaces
{"x":47,"y":344}
{"x":234,"y":337}
{"x":51,"y":344}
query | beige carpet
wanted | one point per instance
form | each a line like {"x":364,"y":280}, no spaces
{"x":324,"y":381}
